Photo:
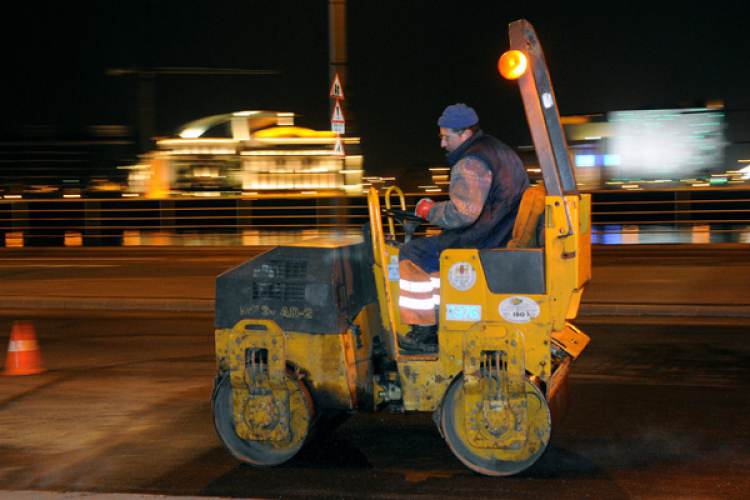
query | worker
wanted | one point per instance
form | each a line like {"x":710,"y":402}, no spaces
{"x":487,"y":182}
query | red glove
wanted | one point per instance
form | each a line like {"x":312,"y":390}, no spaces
{"x":423,"y":207}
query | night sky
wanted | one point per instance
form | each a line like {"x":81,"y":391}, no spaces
{"x":407,"y":61}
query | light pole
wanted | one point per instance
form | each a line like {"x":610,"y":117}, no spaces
{"x":339,"y":63}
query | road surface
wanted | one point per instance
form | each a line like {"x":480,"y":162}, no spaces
{"x":658,"y":412}
{"x":658,"y":409}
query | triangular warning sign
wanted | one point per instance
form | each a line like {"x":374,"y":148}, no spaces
{"x":338,"y":148}
{"x":337,"y":92}
{"x":338,"y":116}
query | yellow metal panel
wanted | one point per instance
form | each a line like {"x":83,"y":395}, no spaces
{"x":585,"y":213}
{"x":394,"y":289}
{"x":571,"y":340}
{"x":261,"y":398}
{"x":222,"y":348}
{"x":380,"y":283}
{"x":561,"y":253}
{"x":556,"y":218}
{"x":536,"y":329}
{"x":538,"y":353}
{"x":348,"y":353}
{"x":424,"y":382}
{"x":574,"y":305}
{"x":494,"y":385}
{"x":369,"y":327}
{"x":584,"y":251}
{"x":384,"y":256}
{"x":425,"y":379}
{"x":321,"y":360}
{"x":468,"y":293}
{"x":330,"y":368}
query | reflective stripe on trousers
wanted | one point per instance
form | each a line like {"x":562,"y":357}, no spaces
{"x":420,"y":294}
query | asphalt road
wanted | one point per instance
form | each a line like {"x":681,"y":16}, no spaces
{"x":658,"y":412}
{"x":126,"y":336}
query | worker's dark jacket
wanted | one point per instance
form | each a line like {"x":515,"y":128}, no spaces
{"x":494,"y":226}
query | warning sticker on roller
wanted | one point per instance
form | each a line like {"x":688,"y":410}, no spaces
{"x":519,"y":309}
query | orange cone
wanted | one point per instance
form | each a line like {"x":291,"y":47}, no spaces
{"x":23,"y":351}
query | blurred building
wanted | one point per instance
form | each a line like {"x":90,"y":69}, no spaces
{"x":662,"y":148}
{"x":250,"y":152}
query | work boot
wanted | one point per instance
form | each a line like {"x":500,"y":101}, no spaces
{"x":422,"y":339}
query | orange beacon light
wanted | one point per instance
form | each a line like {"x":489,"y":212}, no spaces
{"x":512,"y":64}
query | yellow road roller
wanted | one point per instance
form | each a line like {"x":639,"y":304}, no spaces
{"x":308,"y":332}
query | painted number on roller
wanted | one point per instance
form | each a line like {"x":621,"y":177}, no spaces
{"x":458,"y":312}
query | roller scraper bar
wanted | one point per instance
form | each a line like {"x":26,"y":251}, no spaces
{"x":542,"y":113}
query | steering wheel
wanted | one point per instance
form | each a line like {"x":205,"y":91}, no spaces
{"x":407,"y":219}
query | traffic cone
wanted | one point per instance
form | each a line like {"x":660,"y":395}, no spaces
{"x":23,"y":351}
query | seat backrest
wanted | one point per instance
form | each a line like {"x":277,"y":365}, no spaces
{"x":529,"y":226}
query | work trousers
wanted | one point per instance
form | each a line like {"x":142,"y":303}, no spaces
{"x":419,"y":283}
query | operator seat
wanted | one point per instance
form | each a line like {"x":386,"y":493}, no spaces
{"x":528,"y":230}
{"x":519,"y":268}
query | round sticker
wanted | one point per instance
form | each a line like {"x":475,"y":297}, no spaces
{"x":518,"y":309}
{"x":462,"y":276}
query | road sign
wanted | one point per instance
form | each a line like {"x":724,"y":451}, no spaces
{"x":338,"y":148}
{"x":338,"y":116}
{"x":337,"y":119}
{"x":337,"y":92}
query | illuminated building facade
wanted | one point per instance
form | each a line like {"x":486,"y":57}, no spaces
{"x":251,"y":152}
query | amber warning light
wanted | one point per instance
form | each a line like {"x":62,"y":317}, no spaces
{"x":512,"y":64}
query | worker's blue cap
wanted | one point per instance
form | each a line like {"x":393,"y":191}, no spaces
{"x":458,"y":116}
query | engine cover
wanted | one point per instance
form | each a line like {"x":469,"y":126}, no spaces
{"x":310,"y":287}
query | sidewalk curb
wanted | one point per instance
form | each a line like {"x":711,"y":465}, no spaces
{"x":207,"y":305}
